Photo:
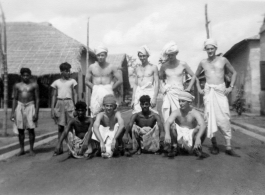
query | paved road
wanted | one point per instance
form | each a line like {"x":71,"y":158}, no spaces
{"x":144,"y":174}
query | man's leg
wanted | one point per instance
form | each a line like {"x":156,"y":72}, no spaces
{"x":31,"y":141}
{"x":60,"y":132}
{"x":21,"y":138}
{"x":214,"y":149}
{"x":173,"y":147}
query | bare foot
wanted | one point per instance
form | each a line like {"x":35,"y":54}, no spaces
{"x":139,"y":152}
{"x":32,"y":153}
{"x":22,"y":152}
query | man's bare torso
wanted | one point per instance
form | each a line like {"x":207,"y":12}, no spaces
{"x":25,"y":92}
{"x":81,"y":127}
{"x":174,"y":73}
{"x":145,"y":121}
{"x":145,"y":74}
{"x":108,"y":121}
{"x":214,"y":70}
{"x":187,"y":120}
{"x":102,"y":75}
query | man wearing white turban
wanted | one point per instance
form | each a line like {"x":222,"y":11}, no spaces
{"x":190,"y":129}
{"x":146,"y":81}
{"x":100,"y":79}
{"x":172,"y":74}
{"x":215,"y":93}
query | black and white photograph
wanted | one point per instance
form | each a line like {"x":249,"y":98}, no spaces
{"x":132,"y":97}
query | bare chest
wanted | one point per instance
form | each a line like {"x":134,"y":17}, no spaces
{"x":144,"y":72}
{"x":109,"y":122}
{"x":188,"y":121}
{"x":177,"y":71}
{"x":213,"y":67}
{"x":101,"y":72}
{"x":25,"y":88}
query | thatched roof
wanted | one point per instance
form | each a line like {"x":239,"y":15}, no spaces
{"x":40,"y":47}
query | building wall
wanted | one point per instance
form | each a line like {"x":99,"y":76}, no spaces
{"x":262,"y":60}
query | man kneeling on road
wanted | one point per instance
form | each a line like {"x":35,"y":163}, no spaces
{"x":190,"y":129}
{"x":108,"y":128}
{"x":78,"y":132}
{"x":145,"y":128}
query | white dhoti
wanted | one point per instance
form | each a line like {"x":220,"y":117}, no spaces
{"x":107,"y":137}
{"x":79,"y":148}
{"x":170,"y":100}
{"x":98,"y":93}
{"x":149,"y":138}
{"x":147,"y":89}
{"x":217,"y":112}
{"x":185,"y":137}
{"x":24,"y":115}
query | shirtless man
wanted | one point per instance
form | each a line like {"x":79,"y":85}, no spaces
{"x":146,"y":81}
{"x":145,"y":129}
{"x":99,"y":79}
{"x":108,"y":127}
{"x":217,"y":112}
{"x":171,"y":73}
{"x":25,"y":108}
{"x":78,"y":132}
{"x":190,"y":130}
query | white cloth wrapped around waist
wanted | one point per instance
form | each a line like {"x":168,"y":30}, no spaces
{"x":185,"y":137}
{"x":24,"y":115}
{"x":217,"y":112}
{"x":149,"y":138}
{"x":107,"y":136}
{"x":170,"y":99}
{"x":98,"y":93}
{"x":147,"y":89}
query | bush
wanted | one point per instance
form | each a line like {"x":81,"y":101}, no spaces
{"x":239,"y":103}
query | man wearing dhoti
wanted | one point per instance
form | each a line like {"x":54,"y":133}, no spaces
{"x":171,"y":74}
{"x":146,"y":81}
{"x":78,"y":133}
{"x":100,"y":79}
{"x":145,"y":128}
{"x":217,"y":112}
{"x":108,"y":127}
{"x":190,"y":130}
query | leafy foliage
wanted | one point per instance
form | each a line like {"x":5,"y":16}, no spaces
{"x":239,"y":103}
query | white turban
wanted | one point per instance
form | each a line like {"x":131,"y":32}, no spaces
{"x":210,"y":42}
{"x":144,"y":50}
{"x":169,"y":48}
{"x":101,"y":49}
{"x":183,"y":95}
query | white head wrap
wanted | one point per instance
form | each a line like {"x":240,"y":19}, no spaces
{"x":183,"y":95}
{"x":210,"y":42}
{"x":169,"y":48}
{"x":101,"y":49}
{"x":144,"y":50}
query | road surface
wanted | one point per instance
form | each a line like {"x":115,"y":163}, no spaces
{"x":140,"y":174}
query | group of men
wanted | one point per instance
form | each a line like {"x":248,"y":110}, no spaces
{"x":181,"y":129}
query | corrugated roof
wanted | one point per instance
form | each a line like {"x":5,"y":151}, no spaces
{"x":40,"y":47}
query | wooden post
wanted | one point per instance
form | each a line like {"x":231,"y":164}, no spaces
{"x":207,"y":22}
{"x":4,"y":63}
{"x":88,"y":91}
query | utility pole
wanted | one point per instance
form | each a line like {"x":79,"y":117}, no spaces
{"x":88,"y":91}
{"x":3,"y":51}
{"x":207,"y":22}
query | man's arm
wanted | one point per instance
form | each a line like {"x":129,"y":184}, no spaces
{"x":234,"y":75}
{"x":75,"y":94}
{"x":14,"y":102}
{"x":89,"y":78}
{"x":162,"y":73}
{"x":129,"y":128}
{"x":64,"y":134}
{"x":198,"y":72}
{"x":134,"y":88}
{"x":201,"y":123}
{"x":118,"y":133}
{"x":118,"y":75}
{"x":54,"y":95}
{"x":90,"y":130}
{"x":190,"y":72}
{"x":156,"y":79}
{"x":37,"y":99}
{"x":97,"y":133}
{"x":168,"y":124}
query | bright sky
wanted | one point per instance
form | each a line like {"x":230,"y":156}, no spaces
{"x":125,"y":25}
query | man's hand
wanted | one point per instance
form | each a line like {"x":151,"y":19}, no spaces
{"x":132,"y":105}
{"x":35,"y":118}
{"x":57,"y":149}
{"x":12,"y":117}
{"x":188,"y":89}
{"x":197,"y":144}
{"x":113,"y":145}
{"x":201,"y":91}
{"x":52,"y":114}
{"x":167,"y":139}
{"x":102,"y":147}
{"x":125,"y":139}
{"x":228,"y":90}
{"x":153,"y":102}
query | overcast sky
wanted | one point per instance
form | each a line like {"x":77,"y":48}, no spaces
{"x":124,"y":25}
